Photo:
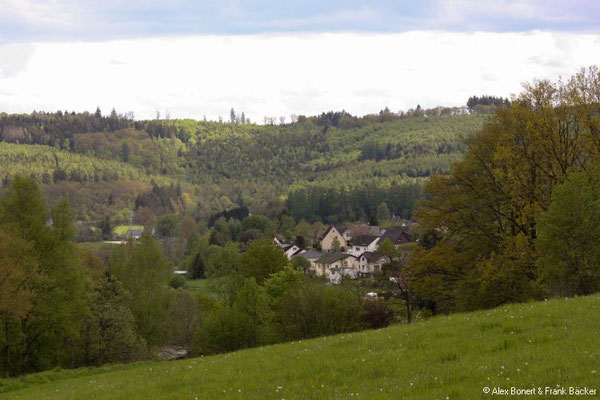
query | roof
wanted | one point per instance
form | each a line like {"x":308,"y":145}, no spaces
{"x":134,"y":231}
{"x":376,"y":230}
{"x":322,"y":234}
{"x":396,"y":235}
{"x":310,"y":254}
{"x":363,"y":229}
{"x":364,"y":240}
{"x":330,"y":258}
{"x":371,"y":256}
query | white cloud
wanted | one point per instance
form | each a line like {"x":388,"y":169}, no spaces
{"x":283,"y":74}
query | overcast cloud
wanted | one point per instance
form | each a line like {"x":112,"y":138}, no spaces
{"x":199,"y":58}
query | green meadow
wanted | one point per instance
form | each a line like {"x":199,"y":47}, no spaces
{"x":554,"y":343}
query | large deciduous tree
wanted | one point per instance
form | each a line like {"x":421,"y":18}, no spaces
{"x":489,"y":205}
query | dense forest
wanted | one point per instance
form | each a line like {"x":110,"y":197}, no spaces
{"x":104,"y":163}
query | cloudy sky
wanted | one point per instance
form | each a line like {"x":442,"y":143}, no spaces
{"x":276,"y":58}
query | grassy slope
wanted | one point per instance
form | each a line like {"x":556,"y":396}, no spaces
{"x":540,"y":344}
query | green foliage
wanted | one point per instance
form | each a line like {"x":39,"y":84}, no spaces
{"x":310,"y":310}
{"x":260,"y":223}
{"x":166,"y":226}
{"x":109,"y":332}
{"x":197,"y":269}
{"x":569,"y":236}
{"x":226,"y":329}
{"x":177,"y":281}
{"x":490,"y":204}
{"x":48,"y":165}
{"x":184,"y":316}
{"x":45,"y":323}
{"x":262,"y":259}
{"x":280,"y":282}
{"x":301,"y":264}
{"x":144,"y":272}
{"x":223,"y":260}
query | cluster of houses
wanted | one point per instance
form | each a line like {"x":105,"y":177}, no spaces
{"x":347,"y":252}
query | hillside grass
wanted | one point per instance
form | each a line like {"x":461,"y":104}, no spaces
{"x":549,"y":343}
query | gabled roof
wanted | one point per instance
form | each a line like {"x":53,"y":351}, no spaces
{"x":396,"y":235}
{"x":330,"y":258}
{"x":364,"y":240}
{"x":299,"y":250}
{"x":324,"y":233}
{"x":309,"y":255}
{"x":371,"y":256}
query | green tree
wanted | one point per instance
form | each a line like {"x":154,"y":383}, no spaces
{"x":105,"y":228}
{"x":383,"y":212}
{"x":398,"y":274}
{"x":336,"y":245}
{"x":144,"y":271}
{"x":58,"y":305}
{"x":262,"y":259}
{"x":197,"y":268}
{"x":224,"y":260}
{"x":301,"y":264}
{"x":109,"y":333}
{"x":226,"y":329}
{"x":569,"y":237}
{"x":489,"y":205}
{"x":259,"y":222}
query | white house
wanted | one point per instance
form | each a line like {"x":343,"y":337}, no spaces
{"x":363,"y":243}
{"x":370,"y":262}
{"x":361,"y":230}
{"x":290,"y":250}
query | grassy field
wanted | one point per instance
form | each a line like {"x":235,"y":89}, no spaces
{"x":121,"y":230}
{"x":554,"y":343}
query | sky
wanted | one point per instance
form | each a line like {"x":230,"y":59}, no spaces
{"x":276,"y":58}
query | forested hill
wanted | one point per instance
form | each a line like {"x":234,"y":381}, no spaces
{"x":229,"y":164}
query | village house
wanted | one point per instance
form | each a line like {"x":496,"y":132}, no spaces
{"x":134,"y":234}
{"x":346,"y":264}
{"x":290,"y":250}
{"x":370,"y":262}
{"x":332,"y":240}
{"x":361,"y":230}
{"x":312,"y":256}
{"x":363,"y":243}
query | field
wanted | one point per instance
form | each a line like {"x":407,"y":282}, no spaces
{"x":553,"y":343}
{"x":121,"y":230}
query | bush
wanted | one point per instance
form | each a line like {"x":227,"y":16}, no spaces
{"x":177,"y":281}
